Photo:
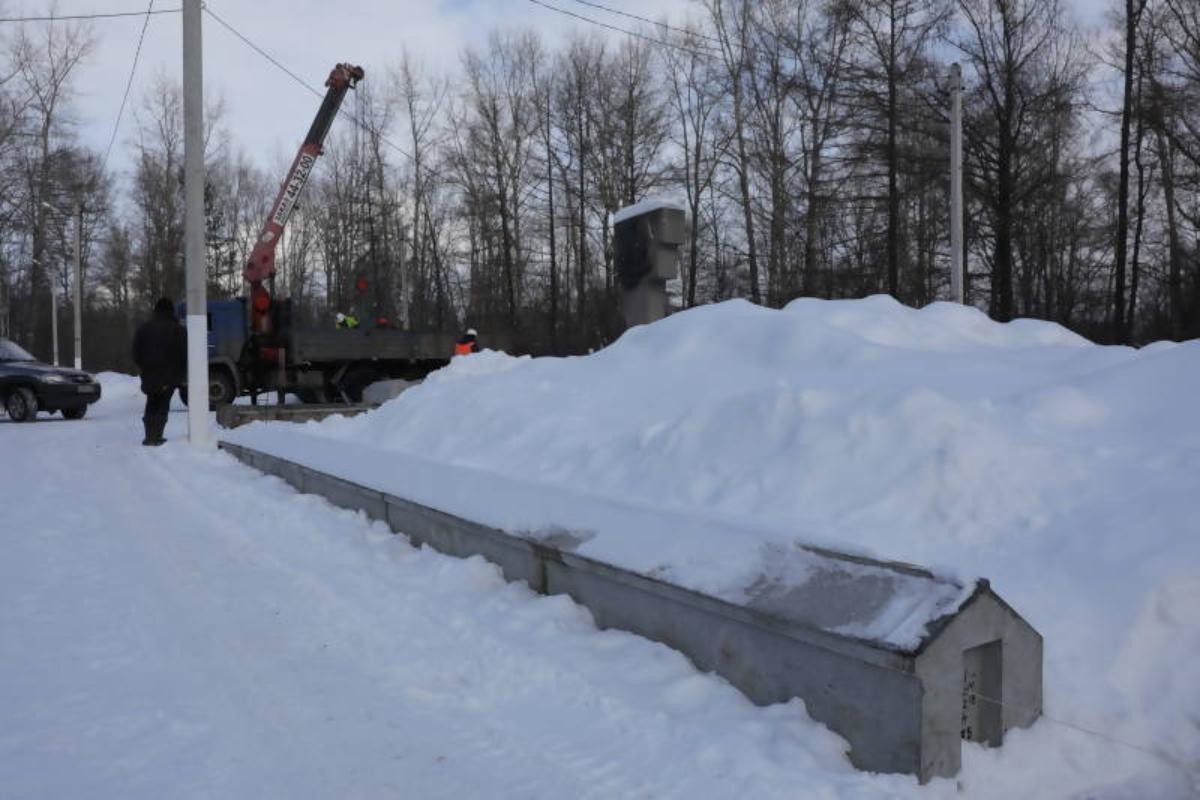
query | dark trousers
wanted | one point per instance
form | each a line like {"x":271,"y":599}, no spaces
{"x":158,"y":404}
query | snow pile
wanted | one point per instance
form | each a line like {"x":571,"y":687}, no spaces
{"x":175,"y":625}
{"x":701,"y":447}
{"x":644,"y":207}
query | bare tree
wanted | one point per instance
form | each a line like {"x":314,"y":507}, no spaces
{"x":501,"y":131}
{"x":732,"y":22}
{"x":695,"y":96}
{"x":892,"y":41}
{"x":1026,"y":68}
{"x":46,"y":58}
{"x":1133,"y":13}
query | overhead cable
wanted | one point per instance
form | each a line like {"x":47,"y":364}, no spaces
{"x":315,"y":91}
{"x":96,"y":15}
{"x":626,"y":31}
{"x":128,"y":84}
{"x":648,"y":21}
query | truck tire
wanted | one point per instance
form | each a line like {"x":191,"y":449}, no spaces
{"x":357,"y":379}
{"x":221,"y":390}
{"x":312,"y":396}
{"x":21,"y":405}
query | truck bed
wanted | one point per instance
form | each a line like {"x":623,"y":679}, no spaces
{"x":318,"y":345}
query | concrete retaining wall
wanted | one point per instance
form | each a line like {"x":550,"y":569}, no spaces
{"x":870,"y":694}
{"x":233,"y":416}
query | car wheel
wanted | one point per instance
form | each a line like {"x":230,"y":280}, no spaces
{"x":74,"y":413}
{"x":21,"y":405}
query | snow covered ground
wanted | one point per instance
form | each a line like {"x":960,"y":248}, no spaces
{"x":173,"y":624}
{"x":705,"y":448}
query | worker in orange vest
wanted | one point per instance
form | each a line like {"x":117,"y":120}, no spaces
{"x":467,"y":343}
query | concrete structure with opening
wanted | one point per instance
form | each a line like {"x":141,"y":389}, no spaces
{"x":901,"y":663}
{"x":647,"y":241}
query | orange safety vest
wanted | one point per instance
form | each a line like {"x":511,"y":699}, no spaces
{"x":462,"y":349}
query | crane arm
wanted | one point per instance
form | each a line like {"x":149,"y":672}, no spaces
{"x":261,"y":264}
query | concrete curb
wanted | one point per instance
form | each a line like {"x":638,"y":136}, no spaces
{"x":869,"y":693}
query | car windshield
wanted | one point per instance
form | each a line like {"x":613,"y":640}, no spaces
{"x":10,"y":351}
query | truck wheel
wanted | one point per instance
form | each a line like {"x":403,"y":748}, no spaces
{"x":312,"y":396}
{"x":74,"y":413}
{"x":356,"y":380}
{"x":221,"y":391}
{"x":220,"y":388}
{"x":21,"y":405}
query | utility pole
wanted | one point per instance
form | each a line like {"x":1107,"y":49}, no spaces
{"x":78,"y":284}
{"x":77,"y":290}
{"x":956,"y":197}
{"x":53,"y":318}
{"x":53,"y":296}
{"x":193,"y":225}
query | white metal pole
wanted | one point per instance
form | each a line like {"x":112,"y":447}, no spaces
{"x":956,"y":197}
{"x":193,"y":228}
{"x":78,"y":284}
{"x":54,"y":317}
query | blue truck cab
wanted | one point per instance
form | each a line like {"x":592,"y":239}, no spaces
{"x":227,"y":323}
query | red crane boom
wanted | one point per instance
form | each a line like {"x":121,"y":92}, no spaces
{"x":261,"y":265}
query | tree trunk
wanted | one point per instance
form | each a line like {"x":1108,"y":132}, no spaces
{"x":1002,"y":277}
{"x":1139,"y":222}
{"x":893,"y":168}
{"x":744,"y":186}
{"x":1119,"y":329}
{"x":1174,"y":245}
{"x":553,"y":322}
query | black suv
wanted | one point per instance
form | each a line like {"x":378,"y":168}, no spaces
{"x":28,"y":386}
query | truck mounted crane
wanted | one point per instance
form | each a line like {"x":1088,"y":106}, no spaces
{"x":256,"y":345}
{"x":261,"y":265}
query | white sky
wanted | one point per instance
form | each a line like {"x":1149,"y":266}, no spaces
{"x":266,"y":111}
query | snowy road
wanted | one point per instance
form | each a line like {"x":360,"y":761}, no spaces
{"x":174,"y":625}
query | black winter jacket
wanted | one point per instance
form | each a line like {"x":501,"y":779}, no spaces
{"x":160,"y":352}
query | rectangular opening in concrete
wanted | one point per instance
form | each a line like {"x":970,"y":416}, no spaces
{"x":981,"y":718}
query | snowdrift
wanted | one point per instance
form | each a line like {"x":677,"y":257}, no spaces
{"x":1065,"y":472}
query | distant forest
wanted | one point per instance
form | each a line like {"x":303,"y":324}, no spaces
{"x":809,"y":141}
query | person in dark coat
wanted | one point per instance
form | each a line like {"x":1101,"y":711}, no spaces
{"x":160,"y":352}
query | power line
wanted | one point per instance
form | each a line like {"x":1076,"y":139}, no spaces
{"x":709,"y":52}
{"x":358,"y":122}
{"x":128,"y":84}
{"x":97,"y":15}
{"x":626,"y":31}
{"x":316,"y":92}
{"x":648,"y":21}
